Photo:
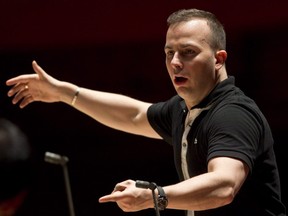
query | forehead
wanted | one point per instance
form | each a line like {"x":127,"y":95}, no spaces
{"x":195,"y":31}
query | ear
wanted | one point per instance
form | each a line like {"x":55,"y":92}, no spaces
{"x":220,"y":57}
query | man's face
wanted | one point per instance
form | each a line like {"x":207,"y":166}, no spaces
{"x":190,"y":60}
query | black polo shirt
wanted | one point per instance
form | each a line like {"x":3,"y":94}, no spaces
{"x":234,"y":127}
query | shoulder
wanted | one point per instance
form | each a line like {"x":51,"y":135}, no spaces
{"x":170,"y":105}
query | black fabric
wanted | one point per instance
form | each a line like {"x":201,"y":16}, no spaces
{"x":233,"y":127}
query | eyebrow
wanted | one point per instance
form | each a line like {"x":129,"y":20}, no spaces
{"x":181,"y":46}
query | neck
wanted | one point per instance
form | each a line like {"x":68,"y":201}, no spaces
{"x":221,"y":75}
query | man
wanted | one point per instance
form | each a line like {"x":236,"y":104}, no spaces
{"x":15,"y":164}
{"x":223,"y":144}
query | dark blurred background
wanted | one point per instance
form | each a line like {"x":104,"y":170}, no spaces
{"x":117,"y":46}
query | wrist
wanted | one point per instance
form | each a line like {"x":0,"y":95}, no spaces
{"x":66,"y":93}
{"x":162,"y":200}
{"x":75,"y":97}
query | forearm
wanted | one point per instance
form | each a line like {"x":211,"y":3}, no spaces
{"x":113,"y":110}
{"x":199,"y":193}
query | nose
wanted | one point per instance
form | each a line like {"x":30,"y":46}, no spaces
{"x":176,"y":62}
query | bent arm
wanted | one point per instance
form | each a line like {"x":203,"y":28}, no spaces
{"x":216,"y":188}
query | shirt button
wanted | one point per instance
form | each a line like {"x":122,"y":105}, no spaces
{"x":184,"y":144}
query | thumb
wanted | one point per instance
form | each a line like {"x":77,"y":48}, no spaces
{"x":38,"y":69}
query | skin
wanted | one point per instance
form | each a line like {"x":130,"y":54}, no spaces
{"x":194,"y":68}
{"x":190,"y":59}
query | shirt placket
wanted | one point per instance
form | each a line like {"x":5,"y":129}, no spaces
{"x":191,"y":116}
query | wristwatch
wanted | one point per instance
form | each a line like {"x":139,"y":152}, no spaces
{"x":162,"y":200}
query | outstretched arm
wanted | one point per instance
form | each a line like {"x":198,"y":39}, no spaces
{"x":113,"y":110}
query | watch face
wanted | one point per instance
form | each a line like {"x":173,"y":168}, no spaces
{"x":162,"y":202}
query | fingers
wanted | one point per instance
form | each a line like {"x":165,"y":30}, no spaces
{"x":119,"y":187}
{"x":25,"y":101}
{"x":128,"y":197}
{"x":123,"y":201}
{"x":118,"y":192}
{"x":21,"y":93}
{"x":20,"y":86}
{"x":22,"y":79}
{"x":16,"y":88}
{"x":113,"y":197}
{"x":26,"y":77}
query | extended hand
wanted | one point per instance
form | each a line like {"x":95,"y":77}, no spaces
{"x":33,"y":87}
{"x":129,"y":198}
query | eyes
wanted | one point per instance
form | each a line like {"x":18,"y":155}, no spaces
{"x":184,"y":53}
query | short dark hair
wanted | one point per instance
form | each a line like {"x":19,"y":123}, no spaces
{"x":218,"y":40}
{"x":15,"y":160}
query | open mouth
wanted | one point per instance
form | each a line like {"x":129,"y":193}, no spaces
{"x":180,"y":80}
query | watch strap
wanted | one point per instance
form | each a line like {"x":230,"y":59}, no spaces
{"x":162,"y":200}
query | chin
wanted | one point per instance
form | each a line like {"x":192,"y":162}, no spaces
{"x":182,"y":95}
{"x":181,"y":91}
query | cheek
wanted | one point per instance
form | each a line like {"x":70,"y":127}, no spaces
{"x":169,"y":69}
{"x":201,"y":71}
{"x":168,"y":64}
{"x":207,"y":66}
{"x":170,"y":72}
